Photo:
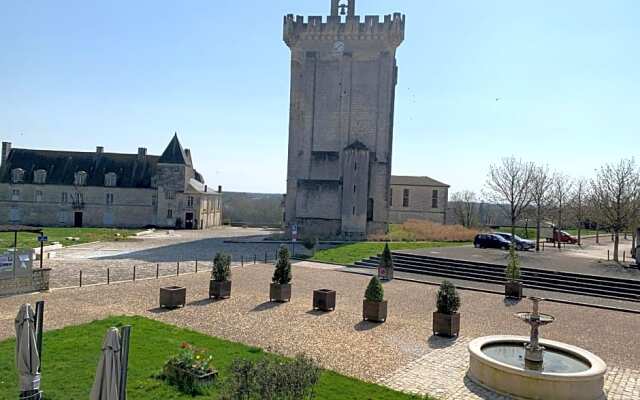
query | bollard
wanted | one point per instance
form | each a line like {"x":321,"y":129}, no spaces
{"x":254,"y":258}
{"x":265,"y":257}
{"x":608,"y":256}
{"x":157,"y":270}
{"x":80,"y":278}
{"x":134,"y":273}
{"x":624,"y":256}
{"x":196,"y":266}
{"x":108,"y":276}
{"x":178,"y":269}
{"x":242,"y":261}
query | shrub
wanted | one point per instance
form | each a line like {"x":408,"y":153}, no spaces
{"x":385,"y":259}
{"x":192,"y":360}
{"x":374,"y":291}
{"x":282,"y":274}
{"x":513,"y":267}
{"x":221,"y":267}
{"x":448,"y":301}
{"x":269,"y":379}
{"x":420,"y":230}
{"x":309,"y":242}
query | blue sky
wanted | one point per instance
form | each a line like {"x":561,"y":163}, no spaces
{"x":123,"y":74}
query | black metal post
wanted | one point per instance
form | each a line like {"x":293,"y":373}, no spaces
{"x":125,"y":337}
{"x":242,"y":261}
{"x":254,"y":258}
{"x":157,"y":270}
{"x":41,"y":253}
{"x":108,"y":276}
{"x":134,"y":273}
{"x":196,"y":265}
{"x":265,"y":257}
{"x":178,"y":269}
{"x":80,"y":278}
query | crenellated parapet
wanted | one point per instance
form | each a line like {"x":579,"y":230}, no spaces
{"x":389,"y":30}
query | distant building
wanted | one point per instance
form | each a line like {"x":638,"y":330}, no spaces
{"x":343,"y":80}
{"x":418,"y":197}
{"x":69,"y":188}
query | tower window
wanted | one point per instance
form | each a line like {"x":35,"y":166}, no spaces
{"x":354,"y":188}
{"x":405,"y":198}
{"x":109,"y":199}
{"x":354,"y":210}
{"x":434,"y":199}
{"x":169,"y":213}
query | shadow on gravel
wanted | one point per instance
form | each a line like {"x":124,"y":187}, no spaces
{"x":160,"y":310}
{"x":439,"y":342}
{"x":366,"y":326}
{"x":318,"y":313}
{"x":267,"y":305}
{"x":203,"y":302}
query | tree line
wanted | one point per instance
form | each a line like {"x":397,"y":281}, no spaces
{"x":610,"y":199}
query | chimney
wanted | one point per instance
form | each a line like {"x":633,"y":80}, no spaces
{"x":99,"y":149}
{"x":219,"y":188}
{"x":142,"y":153}
{"x":6,"y":149}
{"x":187,"y":153}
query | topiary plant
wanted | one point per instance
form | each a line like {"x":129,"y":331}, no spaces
{"x":374,"y":292}
{"x":282,"y":274}
{"x":448,"y":301}
{"x":513,"y":267}
{"x":386,"y":261}
{"x":221,"y":268}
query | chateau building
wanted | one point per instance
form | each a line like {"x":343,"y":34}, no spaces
{"x":343,"y":79}
{"x":68,"y":188}
{"x":418,"y":197}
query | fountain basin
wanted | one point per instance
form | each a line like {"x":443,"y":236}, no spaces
{"x":582,"y":377}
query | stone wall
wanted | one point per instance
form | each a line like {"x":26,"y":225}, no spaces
{"x":420,"y":204}
{"x":38,"y":281}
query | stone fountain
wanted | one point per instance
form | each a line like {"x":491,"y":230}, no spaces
{"x":531,"y":368}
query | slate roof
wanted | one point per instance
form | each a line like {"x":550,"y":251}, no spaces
{"x":61,"y":166}
{"x":174,"y":154}
{"x":416,"y":181}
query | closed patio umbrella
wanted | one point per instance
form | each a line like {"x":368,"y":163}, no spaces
{"x":27,"y":357}
{"x":108,"y":374}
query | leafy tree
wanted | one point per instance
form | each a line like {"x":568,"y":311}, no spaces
{"x":374,"y":291}
{"x":448,"y":300}
{"x":282,"y":273}
{"x":221,"y":267}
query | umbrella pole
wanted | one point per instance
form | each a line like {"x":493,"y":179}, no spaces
{"x":39,"y":329}
{"x":125,"y":336}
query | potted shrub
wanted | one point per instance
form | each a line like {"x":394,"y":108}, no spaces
{"x":374,"y":306}
{"x":446,"y":320}
{"x":513,"y":286}
{"x":220,"y":285}
{"x":385,"y":267}
{"x":191,"y":370}
{"x":173,"y":296}
{"x":280,"y":289}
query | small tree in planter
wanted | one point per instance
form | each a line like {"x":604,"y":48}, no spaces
{"x":220,"y":283}
{"x":446,"y":320}
{"x":374,"y":306}
{"x":385,"y":268}
{"x":280,"y":289}
{"x":513,"y":286}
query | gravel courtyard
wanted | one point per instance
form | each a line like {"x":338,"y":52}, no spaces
{"x":340,"y":340}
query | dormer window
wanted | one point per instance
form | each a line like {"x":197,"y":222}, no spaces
{"x":17,"y":175}
{"x":40,"y":176}
{"x":110,"y":179}
{"x":80,"y":178}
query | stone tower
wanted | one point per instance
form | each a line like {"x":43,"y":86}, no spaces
{"x":343,"y":79}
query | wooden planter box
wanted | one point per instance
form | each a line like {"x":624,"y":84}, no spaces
{"x":513,"y":290}
{"x":173,"y":296}
{"x":446,"y":324}
{"x":188,"y":379}
{"x":375,"y":311}
{"x":324,"y":299}
{"x":280,"y":292}
{"x":219,"y":290}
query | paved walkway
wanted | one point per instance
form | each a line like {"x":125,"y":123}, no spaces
{"x":340,"y":340}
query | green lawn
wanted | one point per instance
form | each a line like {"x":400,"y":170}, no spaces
{"x":350,"y":253}
{"x":71,"y":355}
{"x":85,"y":235}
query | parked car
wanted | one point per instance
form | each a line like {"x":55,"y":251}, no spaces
{"x":491,"y":241}
{"x":564,"y":237}
{"x":521,"y":244}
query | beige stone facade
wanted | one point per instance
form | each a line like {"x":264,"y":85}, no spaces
{"x":418,"y":197}
{"x":343,"y":79}
{"x":62,"y":188}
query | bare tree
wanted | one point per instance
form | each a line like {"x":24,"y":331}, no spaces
{"x":562,"y":193}
{"x":465,"y":208}
{"x":579,"y":208}
{"x":541,"y":184}
{"x":616,"y":194}
{"x":509,"y":184}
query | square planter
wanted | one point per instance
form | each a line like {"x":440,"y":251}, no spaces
{"x":188,"y":379}
{"x":173,"y":296}
{"x":446,"y":324}
{"x":219,"y":290}
{"x":513,"y":290}
{"x":324,"y":299}
{"x":375,"y":311}
{"x":280,"y":292}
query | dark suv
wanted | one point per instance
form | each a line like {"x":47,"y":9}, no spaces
{"x":521,"y":244}
{"x":491,"y":241}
